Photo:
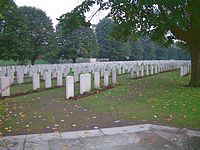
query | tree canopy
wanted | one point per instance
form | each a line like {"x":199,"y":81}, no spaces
{"x":80,"y":43}
{"x":11,"y":37}
{"x":109,"y":47}
{"x":25,"y":34}
{"x":162,"y":20}
{"x":39,"y":31}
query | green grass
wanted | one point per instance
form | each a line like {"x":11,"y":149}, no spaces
{"x":161,"y":99}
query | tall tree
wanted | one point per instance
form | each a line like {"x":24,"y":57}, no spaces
{"x":39,"y":32}
{"x":109,"y":47}
{"x":13,"y":39}
{"x":162,"y":20}
{"x":76,"y":38}
{"x":80,"y":43}
{"x":52,"y":56}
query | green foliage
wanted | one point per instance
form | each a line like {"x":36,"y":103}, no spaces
{"x":164,"y":21}
{"x":71,"y":22}
{"x":12,"y":37}
{"x":140,"y":49}
{"x":78,"y":43}
{"x":6,"y":5}
{"x":75,"y":38}
{"x":25,"y":34}
{"x":109,"y":47}
{"x":146,"y":49}
{"x":52,"y":56}
{"x":39,"y":32}
{"x":155,"y":18}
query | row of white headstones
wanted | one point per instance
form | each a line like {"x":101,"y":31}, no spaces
{"x":83,"y":73}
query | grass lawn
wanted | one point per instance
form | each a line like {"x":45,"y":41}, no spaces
{"x":160,"y":99}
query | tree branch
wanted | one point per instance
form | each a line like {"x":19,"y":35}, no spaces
{"x":94,"y":14}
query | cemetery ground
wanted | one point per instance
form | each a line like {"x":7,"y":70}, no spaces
{"x":161,"y":99}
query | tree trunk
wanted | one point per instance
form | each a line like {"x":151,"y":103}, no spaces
{"x":74,"y":60}
{"x":195,"y":71}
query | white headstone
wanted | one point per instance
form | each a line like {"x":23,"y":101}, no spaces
{"x":156,"y":69}
{"x":152,"y":69}
{"x":137,"y":72}
{"x":5,"y":86}
{"x":93,"y":60}
{"x":142,"y":71}
{"x":69,"y":91}
{"x":106,"y":78}
{"x":114,"y":77}
{"x":20,"y":77}
{"x":85,"y":83}
{"x":147,"y":70}
{"x":48,"y":82}
{"x":181,"y":71}
{"x":36,"y":81}
{"x":54,"y":74}
{"x":59,"y":78}
{"x":12,"y":78}
{"x":96,"y":80}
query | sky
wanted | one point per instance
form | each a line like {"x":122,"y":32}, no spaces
{"x":55,"y":8}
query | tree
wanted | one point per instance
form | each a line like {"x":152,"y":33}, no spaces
{"x":76,"y":43}
{"x":13,"y":39}
{"x":109,"y":47}
{"x":39,"y":32}
{"x":161,"y":20}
